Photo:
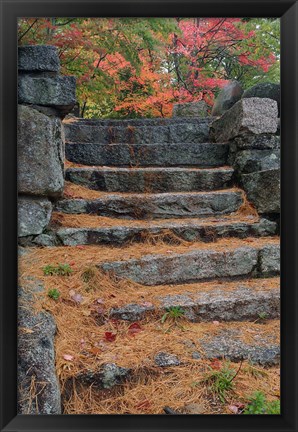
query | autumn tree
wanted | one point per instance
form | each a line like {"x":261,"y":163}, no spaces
{"x":132,"y":67}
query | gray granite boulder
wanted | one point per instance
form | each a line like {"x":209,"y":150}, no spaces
{"x":248,"y":161}
{"x":227,"y":97}
{"x":58,"y":92}
{"x":38,"y":58}
{"x":264,"y":90}
{"x":227,"y":345}
{"x":40,"y":154}
{"x":247,"y":116}
{"x":33,"y":215}
{"x":36,"y":357}
{"x":256,"y":142}
{"x":269,"y":260}
{"x":131,"y":312}
{"x":108,"y":376}
{"x":48,"y":239}
{"x":263,"y":190}
{"x":163,"y":359}
{"x":190,"y":109}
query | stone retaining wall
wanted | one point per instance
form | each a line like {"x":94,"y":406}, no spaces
{"x":44,"y":97}
{"x":251,"y":127}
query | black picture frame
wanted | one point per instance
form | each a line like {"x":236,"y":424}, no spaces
{"x":288,"y":12}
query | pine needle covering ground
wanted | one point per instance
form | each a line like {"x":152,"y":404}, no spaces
{"x":82,"y":326}
{"x":93,"y":221}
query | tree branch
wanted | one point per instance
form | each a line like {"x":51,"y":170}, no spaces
{"x":28,"y":29}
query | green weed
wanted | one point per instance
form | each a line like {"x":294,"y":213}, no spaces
{"x":54,"y":294}
{"x":220,"y":381}
{"x":259,"y":405}
{"x":262,"y":315}
{"x":173,"y":314}
{"x":60,"y":270}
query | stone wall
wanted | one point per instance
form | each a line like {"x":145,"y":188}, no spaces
{"x":44,"y":97}
{"x":251,"y":128}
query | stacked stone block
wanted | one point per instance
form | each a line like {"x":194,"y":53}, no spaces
{"x":44,"y":97}
{"x":251,"y":128}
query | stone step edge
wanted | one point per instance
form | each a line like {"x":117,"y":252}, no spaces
{"x":154,"y":180}
{"x":188,"y":231}
{"x":250,"y":261}
{"x":239,"y":304}
{"x":143,"y":144}
{"x":166,"y":205}
{"x":115,"y":169}
{"x":140,"y":195}
{"x":142,"y":122}
{"x":99,"y":152}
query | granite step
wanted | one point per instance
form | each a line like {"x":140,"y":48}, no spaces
{"x":159,"y":205}
{"x":247,"y":300}
{"x":103,"y":230}
{"x":150,"y":179}
{"x":181,"y":153}
{"x":247,"y":258}
{"x":154,"y":121}
{"x":138,"y":131}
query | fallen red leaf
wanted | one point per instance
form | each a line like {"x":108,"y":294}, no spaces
{"x":110,"y":337}
{"x":135,"y":325}
{"x":134,"y":328}
{"x":215,"y":364}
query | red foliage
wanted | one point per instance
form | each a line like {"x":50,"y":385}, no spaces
{"x":187,"y":66}
{"x":110,"y":337}
{"x":134,"y":329}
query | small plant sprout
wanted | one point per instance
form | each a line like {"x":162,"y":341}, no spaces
{"x":54,"y":294}
{"x":64,"y":269}
{"x":49,"y":270}
{"x":262,"y":315}
{"x":221,"y":381}
{"x":60,"y":270}
{"x":258,"y":404}
{"x":173,"y":314}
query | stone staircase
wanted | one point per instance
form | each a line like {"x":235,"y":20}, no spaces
{"x":171,"y":267}
{"x":160,"y":199}
{"x":161,"y":176}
